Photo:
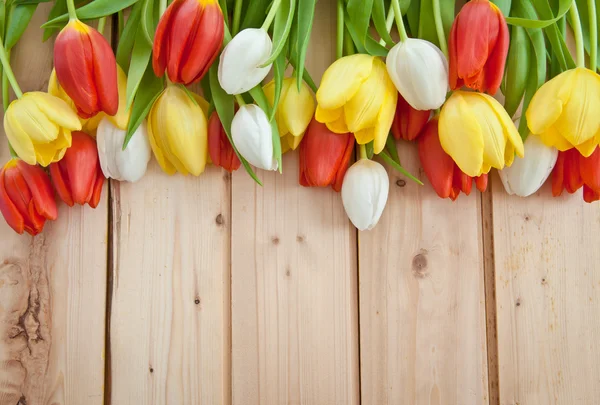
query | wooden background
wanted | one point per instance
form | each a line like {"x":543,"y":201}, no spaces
{"x":213,"y":290}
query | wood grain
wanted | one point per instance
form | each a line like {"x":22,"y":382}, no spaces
{"x":294,"y":293}
{"x":422,"y":309}
{"x":53,"y":286}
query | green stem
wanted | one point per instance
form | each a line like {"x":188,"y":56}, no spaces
{"x":389,"y":21}
{"x":240,"y":100}
{"x":399,"y":21}
{"x":578,"y":33}
{"x":101,"y":24}
{"x":237,"y":13}
{"x":5,"y":59}
{"x":271,"y":15}
{"x":5,"y":95}
{"x":348,"y":44}
{"x":339,"y":50}
{"x":121,"y":23}
{"x":162,"y":7}
{"x":439,"y":27}
{"x":593,"y":35}
{"x":71,"y":8}
{"x":363,"y":151}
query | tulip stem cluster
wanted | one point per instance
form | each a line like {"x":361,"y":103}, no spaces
{"x":593,"y":35}
{"x":271,"y":15}
{"x":399,"y":21}
{"x":240,"y":100}
{"x":578,"y":33}
{"x":101,"y":25}
{"x":71,"y":9}
{"x":4,"y":58}
{"x":439,"y":27}
{"x":237,"y":13}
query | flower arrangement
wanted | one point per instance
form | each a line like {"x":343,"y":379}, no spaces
{"x":106,"y":113}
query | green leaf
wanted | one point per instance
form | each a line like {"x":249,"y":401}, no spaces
{"x":427,"y":29}
{"x":125,"y":47}
{"x":94,"y":10}
{"x":16,"y":23}
{"x":584,"y":15}
{"x":140,"y":57}
{"x":359,"y":12}
{"x":390,"y":146}
{"x":224,"y":105}
{"x":150,"y":88}
{"x":278,"y":76}
{"x":388,"y":159}
{"x":370,"y":150}
{"x":305,"y":17}
{"x":281,"y":28}
{"x":544,"y":11}
{"x":503,"y":5}
{"x":59,"y":7}
{"x":258,"y":95}
{"x":517,"y":69}
{"x":413,"y":14}
{"x":369,"y":45}
{"x":379,"y":17}
{"x":2,"y":21}
{"x":555,"y":68}
{"x":205,"y":84}
{"x":305,"y":75}
{"x":148,"y":22}
{"x":254,"y":13}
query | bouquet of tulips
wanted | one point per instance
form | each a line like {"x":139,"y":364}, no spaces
{"x":106,"y":113}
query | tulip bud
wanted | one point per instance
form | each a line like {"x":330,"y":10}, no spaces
{"x":86,"y":69}
{"x":573,"y":170}
{"x":528,"y":174}
{"x":78,"y":177}
{"x":38,"y":126}
{"x":219,"y":148}
{"x":241,"y":60}
{"x":122,"y":165}
{"x":420,"y":72}
{"x":324,"y":157}
{"x":252,"y":136}
{"x":408,"y":122}
{"x":478,"y":47}
{"x":364,"y":193}
{"x":26,"y":197}
{"x":188,"y":39}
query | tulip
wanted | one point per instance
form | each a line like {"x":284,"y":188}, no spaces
{"x":38,"y":126}
{"x":294,"y":111}
{"x":565,"y":111}
{"x":573,"y":170}
{"x":188,"y":39}
{"x":478,"y":47}
{"x":408,"y":122}
{"x":358,"y":96}
{"x":252,"y":136}
{"x":364,"y":193}
{"x":78,"y":177}
{"x":26,"y":197}
{"x":420,"y":72}
{"x":478,"y":133}
{"x":528,"y":174}
{"x":177,"y":130}
{"x":444,"y":175}
{"x":122,"y":165}
{"x":324,"y":157}
{"x":219,"y":148}
{"x":240,"y":64}
{"x":86,"y":69}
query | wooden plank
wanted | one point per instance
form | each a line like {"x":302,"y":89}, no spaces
{"x":53,"y":286}
{"x":422,"y":308}
{"x":548,"y":298}
{"x":294,"y":293}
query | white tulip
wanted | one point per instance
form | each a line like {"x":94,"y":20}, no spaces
{"x":420,"y":72}
{"x":365,"y":193}
{"x":241,"y":60}
{"x":528,"y":174}
{"x":122,"y":165}
{"x":252,"y":136}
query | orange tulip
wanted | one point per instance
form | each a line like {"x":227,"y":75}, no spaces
{"x":26,"y":197}
{"x":478,"y":47}
{"x":188,"y":39}
{"x":86,"y":69}
{"x":324,"y":156}
{"x":219,"y":148}
{"x":443,"y":174}
{"x":408,"y":122}
{"x":572,"y":171}
{"x":78,"y":177}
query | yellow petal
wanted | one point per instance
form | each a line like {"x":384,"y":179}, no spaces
{"x":293,"y":141}
{"x":365,"y":136}
{"x":552,"y":137}
{"x":297,"y":108}
{"x":54,"y":151}
{"x":363,"y":109}
{"x":55,"y":109}
{"x":19,"y":140}
{"x":546,"y":106}
{"x":121,"y":118}
{"x":510,"y":130}
{"x":34,"y":122}
{"x":202,"y":103}
{"x":386,"y":117}
{"x":588,"y":147}
{"x":460,"y":134}
{"x":342,"y":79}
{"x":156,"y":142}
{"x":338,"y":126}
{"x":324,"y":116}
{"x":509,"y":154}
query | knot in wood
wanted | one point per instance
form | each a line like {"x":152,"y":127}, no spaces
{"x":419,"y":265}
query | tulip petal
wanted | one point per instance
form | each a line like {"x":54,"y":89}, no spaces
{"x":297,"y":108}
{"x":552,"y":137}
{"x":41,"y":190}
{"x":34,"y":122}
{"x":161,"y":40}
{"x":437,"y":164}
{"x":342,"y":80}
{"x":362,"y":110}
{"x":324,"y":116}
{"x":494,"y":141}
{"x":339,"y":126}
{"x":385,"y":117}
{"x":56,"y":110}
{"x":185,"y":22}
{"x":156,"y":145}
{"x":105,"y":73}
{"x":11,"y":214}
{"x":546,"y":106}
{"x":18,"y":139}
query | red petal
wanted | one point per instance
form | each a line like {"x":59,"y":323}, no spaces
{"x":11,"y":214}
{"x":494,"y":67}
{"x":461,"y":181}
{"x":558,"y":174}
{"x":185,"y":21}
{"x":344,"y":164}
{"x":482,"y":182}
{"x":160,"y":48}
{"x":589,"y":195}
{"x":60,"y":179}
{"x":214,"y":139}
{"x":454,"y":81}
{"x":572,"y":176}
{"x":41,"y":189}
{"x":97,"y":188}
{"x":105,"y":73}
{"x":408,"y":122}
{"x":589,"y":168}
{"x":437,"y":164}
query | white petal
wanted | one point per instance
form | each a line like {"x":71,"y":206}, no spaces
{"x":364,"y":193}
{"x":240,"y":61}
{"x":252,"y":135}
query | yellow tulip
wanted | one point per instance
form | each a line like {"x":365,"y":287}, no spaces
{"x":477,"y":133}
{"x":38,"y":126}
{"x":294,"y":112}
{"x":90,"y":125}
{"x":177,"y":129}
{"x":565,"y":111}
{"x":357,"y":95}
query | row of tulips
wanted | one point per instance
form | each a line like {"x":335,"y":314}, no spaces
{"x":96,"y":121}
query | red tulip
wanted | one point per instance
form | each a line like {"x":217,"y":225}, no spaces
{"x":78,"y":177}
{"x":188,"y":39}
{"x":478,"y":47}
{"x":324,"y":156}
{"x":86,"y":69}
{"x":572,"y":171}
{"x":219,"y":148}
{"x":26,"y":197}
{"x":443,"y":173}
{"x":408,"y":122}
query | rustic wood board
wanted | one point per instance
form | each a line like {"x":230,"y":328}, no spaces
{"x":53,"y":286}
